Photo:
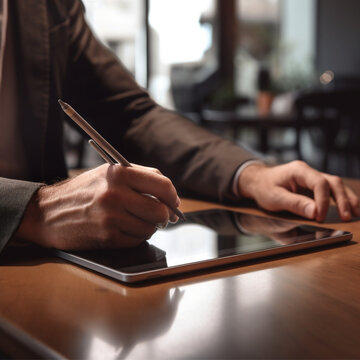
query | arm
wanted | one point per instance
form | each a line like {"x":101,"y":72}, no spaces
{"x":197,"y":161}
{"x":99,"y":87}
{"x":97,"y":84}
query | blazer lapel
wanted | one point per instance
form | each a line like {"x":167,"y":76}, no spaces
{"x":31,"y":21}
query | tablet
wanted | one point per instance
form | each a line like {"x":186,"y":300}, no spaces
{"x":207,"y":239}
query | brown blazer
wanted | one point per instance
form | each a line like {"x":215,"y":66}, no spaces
{"x":58,"y":57}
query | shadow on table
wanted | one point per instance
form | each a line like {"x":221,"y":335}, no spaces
{"x":25,"y":255}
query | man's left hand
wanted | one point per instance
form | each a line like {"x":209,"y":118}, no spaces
{"x":279,"y":188}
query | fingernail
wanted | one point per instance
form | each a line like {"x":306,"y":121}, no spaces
{"x":347,"y":214}
{"x":173,"y":219}
{"x":161,"y":225}
{"x":177,"y":202}
{"x":310,"y":211}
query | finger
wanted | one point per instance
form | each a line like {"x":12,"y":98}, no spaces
{"x":147,"y":168}
{"x":315,"y":181}
{"x":125,"y":230}
{"x":322,"y":199}
{"x":354,"y":201}
{"x":173,"y":219}
{"x":295,"y":203}
{"x":109,"y":232}
{"x":340,"y":196}
{"x":147,"y":208}
{"x":120,"y":198}
{"x":152,"y":183}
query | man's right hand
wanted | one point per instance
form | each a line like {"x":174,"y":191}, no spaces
{"x":101,"y":208}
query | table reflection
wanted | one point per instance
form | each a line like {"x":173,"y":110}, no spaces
{"x":79,"y":312}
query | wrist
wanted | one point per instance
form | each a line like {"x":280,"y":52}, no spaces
{"x":248,"y":179}
{"x":31,"y":227}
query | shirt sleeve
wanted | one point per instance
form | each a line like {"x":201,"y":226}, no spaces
{"x":241,"y":168}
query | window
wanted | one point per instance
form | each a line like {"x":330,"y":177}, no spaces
{"x":120,"y":24}
{"x":276,"y":35}
{"x":181,"y":33}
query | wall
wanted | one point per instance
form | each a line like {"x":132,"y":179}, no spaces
{"x":338,"y":42}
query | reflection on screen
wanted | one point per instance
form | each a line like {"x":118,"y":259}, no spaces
{"x":186,"y":243}
{"x":207,"y":235}
{"x":214,"y":234}
{"x":189,"y":243}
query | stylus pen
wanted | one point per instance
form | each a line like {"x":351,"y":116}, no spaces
{"x":100,"y":144}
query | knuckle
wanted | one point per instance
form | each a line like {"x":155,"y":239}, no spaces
{"x":298,"y":164}
{"x":155,"y":170}
{"x":165,"y":181}
{"x":122,"y":176}
{"x":337,"y":180}
{"x":324,"y":184}
{"x":162,"y":213}
{"x":115,"y":172}
{"x":167,"y":184}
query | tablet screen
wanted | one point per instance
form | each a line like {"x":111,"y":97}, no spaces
{"x":205,"y":237}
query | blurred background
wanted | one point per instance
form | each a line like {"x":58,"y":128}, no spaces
{"x":281,"y":76}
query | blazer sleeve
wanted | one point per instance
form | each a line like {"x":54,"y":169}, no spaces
{"x":97,"y":84}
{"x":14,"y":195}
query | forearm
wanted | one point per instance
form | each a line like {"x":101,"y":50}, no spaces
{"x":197,"y":161}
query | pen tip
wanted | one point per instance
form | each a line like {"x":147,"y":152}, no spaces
{"x":62,"y":104}
{"x":180,"y":214}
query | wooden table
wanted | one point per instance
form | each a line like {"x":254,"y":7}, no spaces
{"x":300,"y":306}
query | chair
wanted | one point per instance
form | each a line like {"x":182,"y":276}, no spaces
{"x":339,"y":112}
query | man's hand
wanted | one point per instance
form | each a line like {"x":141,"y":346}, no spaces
{"x":103,"y":207}
{"x":278,"y":188}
